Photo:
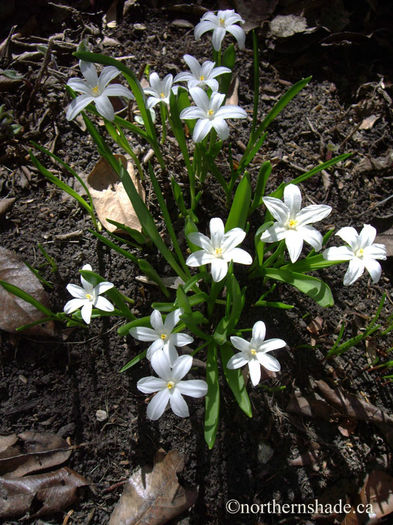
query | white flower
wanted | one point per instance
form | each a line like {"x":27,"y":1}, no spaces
{"x":255,"y":353}
{"x":220,"y":23}
{"x":160,"y":90}
{"x":170,"y":387}
{"x":219,"y":250}
{"x":161,"y":335}
{"x":96,"y":90}
{"x":293,"y":223}
{"x":210,"y":114}
{"x":201,"y":75}
{"x":88,"y":296}
{"x":360,"y":252}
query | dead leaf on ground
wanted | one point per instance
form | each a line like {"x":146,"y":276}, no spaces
{"x":154,"y":497}
{"x":233,"y":95}
{"x":109,"y":196}
{"x":28,"y":452}
{"x":311,"y":407}
{"x":283,"y":26}
{"x":369,"y":122}
{"x":5,"y":205}
{"x":378,"y":490}
{"x":386,"y":238}
{"x":15,"y":312}
{"x":39,"y":494}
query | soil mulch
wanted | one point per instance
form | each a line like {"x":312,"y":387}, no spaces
{"x":58,"y":384}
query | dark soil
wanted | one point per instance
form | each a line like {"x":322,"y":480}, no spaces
{"x":57,"y":384}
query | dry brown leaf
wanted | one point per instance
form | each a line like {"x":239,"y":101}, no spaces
{"x":5,"y":205}
{"x":369,"y":122}
{"x":378,"y":490}
{"x":15,"y":312}
{"x":109,"y":196}
{"x":39,"y":494}
{"x":28,"y":452}
{"x":233,"y":95}
{"x":386,"y":238}
{"x":154,"y":497}
{"x":310,"y":407}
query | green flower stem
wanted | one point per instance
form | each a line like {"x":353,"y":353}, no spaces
{"x":164,"y":114}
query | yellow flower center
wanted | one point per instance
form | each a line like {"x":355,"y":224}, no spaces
{"x":163,"y":336}
{"x":210,"y":112}
{"x":89,"y":296}
{"x":360,"y":252}
{"x":162,"y":94}
{"x":218,"y":252}
{"x":170,"y":385}
{"x":292,"y":223}
{"x":253,"y":351}
{"x":96,"y":90}
{"x":201,"y":78}
{"x":222,"y":22}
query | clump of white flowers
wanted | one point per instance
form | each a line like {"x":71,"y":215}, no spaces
{"x":224,"y":21}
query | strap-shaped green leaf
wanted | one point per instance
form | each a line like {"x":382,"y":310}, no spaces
{"x":235,"y":381}
{"x":241,"y":203}
{"x":212,"y":402}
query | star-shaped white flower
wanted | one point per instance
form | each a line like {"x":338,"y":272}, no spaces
{"x":96,"y":89}
{"x":163,"y":340}
{"x":160,"y":90}
{"x":360,"y":252}
{"x":219,"y":250}
{"x":220,"y":23}
{"x":255,"y":353}
{"x":169,"y":386}
{"x":201,"y":75}
{"x":88,"y":296}
{"x":293,"y":223}
{"x":210,"y":114}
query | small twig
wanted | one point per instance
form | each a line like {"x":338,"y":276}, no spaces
{"x":41,"y":72}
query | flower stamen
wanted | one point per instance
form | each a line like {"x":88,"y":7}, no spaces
{"x":95,"y":91}
{"x":253,"y":351}
{"x":292,"y":223}
{"x":89,"y":296}
{"x":218,"y":252}
{"x":359,"y":252}
{"x":163,"y":336}
{"x":170,"y":385}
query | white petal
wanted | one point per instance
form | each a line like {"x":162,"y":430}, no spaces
{"x":255,"y":371}
{"x":76,"y":291}
{"x":202,"y":27}
{"x":86,"y":312}
{"x":367,"y":236}
{"x":172,"y":319}
{"x":212,"y":83}
{"x":237,"y":361}
{"x":73,"y":304}
{"x":200,"y":98}
{"x":293,"y":199}
{"x":192,"y":112}
{"x":259,"y":332}
{"x":161,"y":365}
{"x":219,"y":269}
{"x":143,"y":333}
{"x":170,"y":351}
{"x":238,"y":33}
{"x":272,"y":344}
{"x":152,"y":101}
{"x":269,"y":362}
{"x":221,"y":127}
{"x":178,"y":405}
{"x":350,"y":236}
{"x":167,"y":84}
{"x":79,"y":85}
{"x":184,"y":76}
{"x":107,"y":74}
{"x":89,"y":72}
{"x":155,"y":83}
{"x":233,"y":238}
{"x":216,"y":102}
{"x":311,"y":236}
{"x":155,"y":347}
{"x":181,"y":367}
{"x":156,"y":321}
{"x":217,"y":71}
{"x":150,"y":384}
{"x":103,"y":304}
{"x":277,"y":208}
{"x":240,"y":343}
{"x":274,"y":233}
{"x":193,"y":64}
{"x":200,"y":240}
{"x":238,"y":255}
{"x":192,"y":387}
{"x":157,"y":405}
{"x":375,"y":251}
{"x":202,"y":128}
{"x":230,"y":111}
{"x":218,"y":37}
{"x":77,"y":105}
{"x":217,"y":230}
{"x":355,"y":270}
{"x":199,"y":258}
{"x":294,"y":242}
{"x":104,"y":107}
{"x":181,"y":339}
{"x":103,"y":287}
{"x":374,"y":269}
{"x":117,"y":90}
{"x":313,"y":213}
{"x":340,"y":253}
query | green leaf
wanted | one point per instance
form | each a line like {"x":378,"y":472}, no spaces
{"x":235,"y":381}
{"x":273,"y":304}
{"x":178,"y":196}
{"x":212,"y":402}
{"x":309,"y":264}
{"x":11,"y":288}
{"x":229,"y":57}
{"x":311,"y":286}
{"x":240,"y":205}
{"x":263,"y":176}
{"x":134,"y":361}
{"x":142,"y":321}
{"x":138,"y":237}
